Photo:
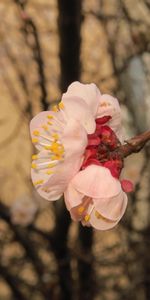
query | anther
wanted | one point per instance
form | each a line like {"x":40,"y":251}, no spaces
{"x":99,"y":216}
{"x":38,"y":182}
{"x":47,"y":147}
{"x":51,"y":165}
{"x":49,"y":172}
{"x":87,"y":218}
{"x":35,"y":140}
{"x":61,"y":105}
{"x":34,"y":156}
{"x":55,"y":108}
{"x":56,"y":157}
{"x":36,"y":132}
{"x":45,"y":127}
{"x":81,"y":209}
{"x":50,"y":117}
{"x":33,"y":166}
{"x":55,"y":136}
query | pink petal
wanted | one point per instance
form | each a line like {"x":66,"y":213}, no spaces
{"x":127,"y":185}
{"x":52,"y":195}
{"x":76,"y":108}
{"x":102,"y":223}
{"x":63,"y":174}
{"x":38,"y":120}
{"x":72,"y":197}
{"x":41,"y":119}
{"x":74,"y":139}
{"x":110,"y":208}
{"x":96,"y":182}
{"x":40,"y":178}
{"x":109,"y":106}
{"x":88,"y":92}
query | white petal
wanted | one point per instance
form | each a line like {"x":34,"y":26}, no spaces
{"x":76,"y":108}
{"x":88,"y":92}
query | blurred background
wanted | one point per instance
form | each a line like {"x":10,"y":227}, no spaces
{"x":44,"y":46}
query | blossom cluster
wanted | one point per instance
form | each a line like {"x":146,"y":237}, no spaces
{"x":76,"y":143}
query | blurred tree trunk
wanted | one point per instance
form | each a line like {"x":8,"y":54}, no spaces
{"x":69,"y":25}
{"x":69,"y":21}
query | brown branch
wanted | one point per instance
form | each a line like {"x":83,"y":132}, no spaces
{"x":134,"y":144}
{"x":130,"y":146}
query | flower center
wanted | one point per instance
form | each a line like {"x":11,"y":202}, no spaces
{"x":101,"y":148}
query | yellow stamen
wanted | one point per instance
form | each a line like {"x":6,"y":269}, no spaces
{"x":34,"y":156}
{"x":56,"y":157}
{"x":36,"y":132}
{"x":33,"y":166}
{"x":50,"y":117}
{"x":99,"y":216}
{"x":81,"y":209}
{"x":49,"y":172}
{"x":35,"y":140}
{"x":87,"y":218}
{"x":47,"y":147}
{"x":51,"y":165}
{"x":55,"y":136}
{"x":45,"y":127}
{"x":49,"y":123}
{"x":55,"y":108}
{"x":38,"y":182}
{"x":61,"y":105}
{"x":57,"y":148}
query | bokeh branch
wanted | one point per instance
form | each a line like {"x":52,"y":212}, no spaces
{"x":33,"y":41}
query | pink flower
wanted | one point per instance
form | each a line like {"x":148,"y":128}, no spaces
{"x":96,"y":198}
{"x":74,"y":141}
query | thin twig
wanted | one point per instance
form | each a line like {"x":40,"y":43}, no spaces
{"x":134,"y":144}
